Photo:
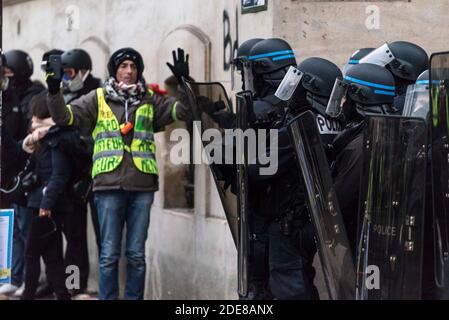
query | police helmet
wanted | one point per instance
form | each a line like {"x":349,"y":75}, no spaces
{"x":356,"y":57}
{"x":319,"y":75}
{"x":370,"y":84}
{"x":410,"y":60}
{"x":77,"y":59}
{"x":270,"y":58}
{"x":20,"y":63}
{"x":245,"y":48}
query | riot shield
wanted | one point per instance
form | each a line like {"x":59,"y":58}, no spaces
{"x":439,"y":99}
{"x":332,"y":242}
{"x":244,"y":106}
{"x":417,"y":101}
{"x":392,"y":199}
{"x":212,"y":109}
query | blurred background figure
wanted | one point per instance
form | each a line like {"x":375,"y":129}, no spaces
{"x":17,"y":96}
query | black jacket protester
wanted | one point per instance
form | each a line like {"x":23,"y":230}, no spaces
{"x":54,"y":169}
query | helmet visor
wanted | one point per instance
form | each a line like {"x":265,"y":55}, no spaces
{"x":381,"y":56}
{"x":289,"y":84}
{"x":248,"y":76}
{"x":236,"y":75}
{"x":337,"y":98}
{"x":417,"y":101}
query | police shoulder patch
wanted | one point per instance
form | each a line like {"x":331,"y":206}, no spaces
{"x":327,"y":125}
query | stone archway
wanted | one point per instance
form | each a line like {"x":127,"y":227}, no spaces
{"x":99,"y":52}
{"x":198,"y":45}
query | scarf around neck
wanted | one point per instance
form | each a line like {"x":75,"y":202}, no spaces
{"x":120,"y":92}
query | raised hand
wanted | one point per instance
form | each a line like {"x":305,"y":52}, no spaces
{"x":180,"y":66}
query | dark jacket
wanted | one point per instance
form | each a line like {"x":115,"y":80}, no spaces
{"x":11,"y":115}
{"x":91,"y":83}
{"x":346,"y":172}
{"x":13,"y":159}
{"x":54,"y":169}
{"x":15,"y":116}
{"x":25,"y":93}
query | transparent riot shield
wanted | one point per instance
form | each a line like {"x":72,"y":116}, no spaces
{"x":439,"y":108}
{"x":244,"y":107}
{"x":332,"y":242}
{"x":212,"y":109}
{"x":417,"y":101}
{"x":392,"y":203}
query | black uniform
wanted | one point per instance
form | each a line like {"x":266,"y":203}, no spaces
{"x":11,"y":132}
{"x":346,"y":172}
{"x":54,"y":169}
{"x":16,"y":118}
{"x":347,"y":147}
{"x":286,"y":226}
{"x":75,"y":224}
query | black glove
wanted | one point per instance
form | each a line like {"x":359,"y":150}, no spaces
{"x":53,"y":81}
{"x":180,"y":66}
{"x":210,"y":107}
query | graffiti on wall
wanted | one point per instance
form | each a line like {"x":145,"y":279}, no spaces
{"x":230,"y":45}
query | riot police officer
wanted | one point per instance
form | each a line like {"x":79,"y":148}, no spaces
{"x":281,"y":201}
{"x":19,"y":68}
{"x":78,"y":81}
{"x":405,"y":60}
{"x":366,"y":89}
{"x":258,"y":287}
{"x":311,"y":94}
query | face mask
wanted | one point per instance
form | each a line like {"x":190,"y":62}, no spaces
{"x":75,"y":84}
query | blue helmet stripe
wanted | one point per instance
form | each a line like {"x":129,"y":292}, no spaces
{"x":354,"y":61}
{"x":271,"y":54}
{"x":370,"y":84}
{"x":288,"y":56}
{"x":385,"y":93}
{"x":437,"y":82}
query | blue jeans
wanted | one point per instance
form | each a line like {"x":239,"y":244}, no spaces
{"x":22,"y":219}
{"x":115,"y":209}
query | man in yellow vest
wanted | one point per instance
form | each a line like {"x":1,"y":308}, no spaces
{"x":121,"y":116}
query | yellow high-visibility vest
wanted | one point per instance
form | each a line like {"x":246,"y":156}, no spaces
{"x":109,"y":145}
